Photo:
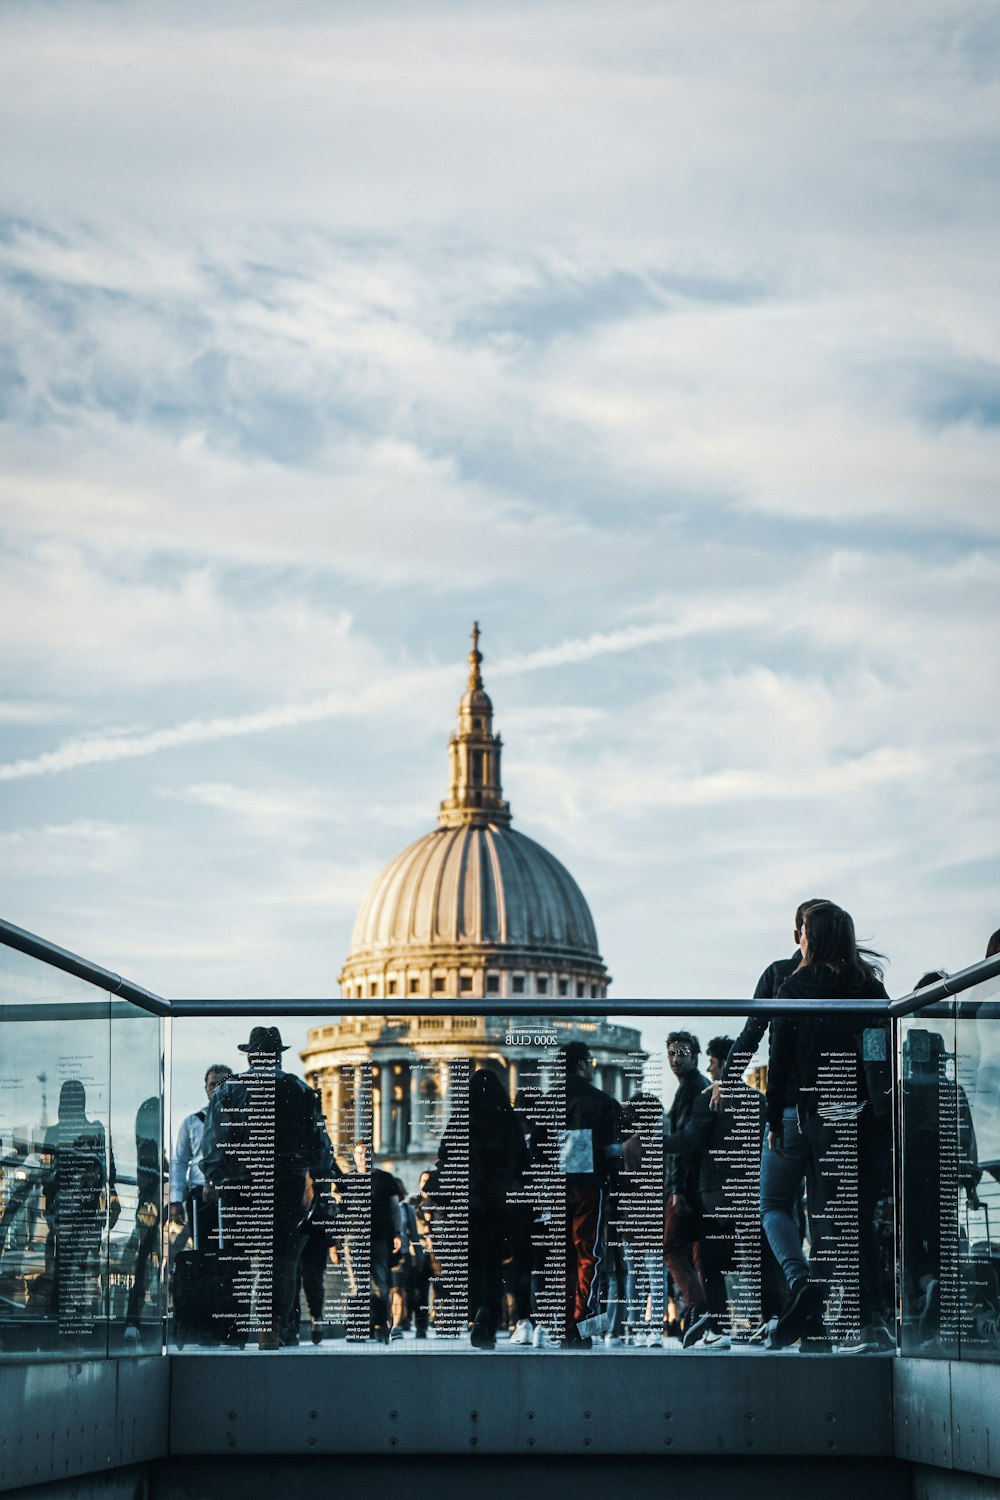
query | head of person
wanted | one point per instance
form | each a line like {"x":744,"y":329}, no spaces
{"x":215,"y":1077}
{"x":579,"y":1063}
{"x":423,"y":1180}
{"x":683,"y":1050}
{"x":487,"y":1094}
{"x":993,"y":946}
{"x":264,"y":1047}
{"x":360,"y":1154}
{"x":829,"y":941}
{"x":800,"y":912}
{"x":147,"y":1119}
{"x":933,"y":976}
{"x":72,"y":1100}
{"x":717,"y":1051}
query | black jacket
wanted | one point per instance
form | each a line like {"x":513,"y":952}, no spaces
{"x":589,"y":1108}
{"x":301,"y":1143}
{"x":799,"y":1044}
{"x":683,"y":1141}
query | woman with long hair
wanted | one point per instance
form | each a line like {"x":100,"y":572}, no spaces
{"x":824,"y":1086}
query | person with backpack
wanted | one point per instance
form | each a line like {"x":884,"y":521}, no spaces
{"x":823,"y":1071}
{"x":264,"y":1135}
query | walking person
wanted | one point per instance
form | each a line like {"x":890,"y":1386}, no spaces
{"x":816,"y":1084}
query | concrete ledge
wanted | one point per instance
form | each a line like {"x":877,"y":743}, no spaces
{"x":745,"y":1405}
{"x":69,"y":1418}
{"x":947,"y":1414}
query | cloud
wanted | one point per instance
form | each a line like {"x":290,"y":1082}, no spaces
{"x":89,"y":750}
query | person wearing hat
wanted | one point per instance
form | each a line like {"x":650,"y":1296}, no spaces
{"x":264,"y":1134}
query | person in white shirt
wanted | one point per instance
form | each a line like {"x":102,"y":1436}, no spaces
{"x":187,"y":1182}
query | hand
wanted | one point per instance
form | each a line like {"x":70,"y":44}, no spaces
{"x":715,"y":1103}
{"x":209,"y":1193}
{"x":176,"y":1214}
{"x":397,"y":1244}
{"x":775,"y":1140}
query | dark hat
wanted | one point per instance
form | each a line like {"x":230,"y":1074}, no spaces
{"x":263,"y":1039}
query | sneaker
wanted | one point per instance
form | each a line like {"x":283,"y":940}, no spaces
{"x":611,"y":1339}
{"x":712,"y":1340}
{"x":541,"y":1338}
{"x":317,"y":1333}
{"x":654,"y":1341}
{"x":696,"y":1330}
{"x":269,"y":1340}
{"x":396,"y":1333}
{"x":523,"y":1332}
{"x":805,"y":1302}
{"x":639,"y":1339}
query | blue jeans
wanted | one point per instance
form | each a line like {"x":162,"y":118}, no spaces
{"x":781,"y":1175}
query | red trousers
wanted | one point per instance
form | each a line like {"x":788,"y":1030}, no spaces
{"x":584,"y":1250}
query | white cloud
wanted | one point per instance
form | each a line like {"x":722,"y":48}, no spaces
{"x":661,"y":342}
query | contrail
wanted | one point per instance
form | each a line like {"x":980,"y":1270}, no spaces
{"x":93,"y":750}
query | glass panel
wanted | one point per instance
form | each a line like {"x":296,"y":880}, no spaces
{"x":57,"y":1169}
{"x":949,"y":1167}
{"x":978,"y":1078}
{"x":135,"y":1283}
{"x":436,"y":1181}
{"x":929,"y":1176}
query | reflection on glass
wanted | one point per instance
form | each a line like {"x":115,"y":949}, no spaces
{"x":499,"y":1183}
{"x":58,"y":1195}
{"x":950,"y":1166}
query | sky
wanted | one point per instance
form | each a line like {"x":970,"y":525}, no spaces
{"x":661,"y":339}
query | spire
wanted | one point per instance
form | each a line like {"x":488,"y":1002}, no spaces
{"x":475,"y":794}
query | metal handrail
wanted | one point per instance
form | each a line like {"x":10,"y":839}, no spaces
{"x":80,"y":968}
{"x":945,"y":989}
{"x":540,"y":1006}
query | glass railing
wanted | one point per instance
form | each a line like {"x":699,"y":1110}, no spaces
{"x":81,"y":1165}
{"x":440,"y":1181}
{"x":511,"y":1179}
{"x":949,"y":1170}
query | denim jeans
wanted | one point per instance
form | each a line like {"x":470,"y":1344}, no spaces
{"x":781,"y":1173}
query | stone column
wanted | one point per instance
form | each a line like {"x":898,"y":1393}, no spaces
{"x":386,"y":1108}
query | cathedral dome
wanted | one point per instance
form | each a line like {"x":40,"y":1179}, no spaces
{"x":476,"y":884}
{"x":474,"y":908}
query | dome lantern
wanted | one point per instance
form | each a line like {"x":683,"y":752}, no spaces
{"x":475,"y":795}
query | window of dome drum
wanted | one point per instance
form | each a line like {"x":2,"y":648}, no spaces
{"x":439,"y":984}
{"x":414,"y":986}
{"x":543,"y":984}
{"x":493,"y":984}
{"x":518,"y":984}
